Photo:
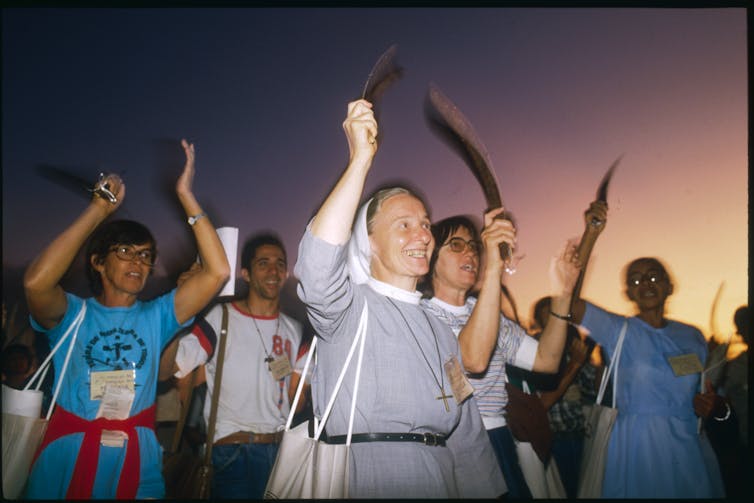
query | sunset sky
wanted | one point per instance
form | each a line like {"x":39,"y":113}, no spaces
{"x":557,"y":94}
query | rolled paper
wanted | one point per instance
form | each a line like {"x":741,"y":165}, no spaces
{"x":229,"y":238}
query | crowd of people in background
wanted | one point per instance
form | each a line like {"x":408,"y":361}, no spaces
{"x":439,"y":361}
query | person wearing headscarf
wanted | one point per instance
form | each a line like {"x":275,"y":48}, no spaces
{"x":412,"y":436}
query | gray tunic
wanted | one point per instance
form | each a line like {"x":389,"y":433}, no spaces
{"x":397,"y":390}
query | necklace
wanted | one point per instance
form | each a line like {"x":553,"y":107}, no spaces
{"x":441,"y":381}
{"x":268,"y":358}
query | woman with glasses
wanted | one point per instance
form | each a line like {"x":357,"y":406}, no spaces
{"x":655,"y":448}
{"x":489,"y":341}
{"x":100,"y":442}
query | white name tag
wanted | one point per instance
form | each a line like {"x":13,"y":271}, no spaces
{"x":459,"y":384}
{"x":112,"y":378}
{"x":280,"y":367}
{"x":687,"y":364}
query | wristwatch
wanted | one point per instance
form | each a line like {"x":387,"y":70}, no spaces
{"x":194,"y":219}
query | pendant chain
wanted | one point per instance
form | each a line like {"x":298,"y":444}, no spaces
{"x":259,"y":332}
{"x":440,"y":382}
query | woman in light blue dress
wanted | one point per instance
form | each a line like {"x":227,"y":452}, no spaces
{"x":655,"y":449}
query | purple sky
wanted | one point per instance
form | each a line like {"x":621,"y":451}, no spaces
{"x":556,"y":94}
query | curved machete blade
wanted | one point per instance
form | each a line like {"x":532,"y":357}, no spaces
{"x":451,"y":125}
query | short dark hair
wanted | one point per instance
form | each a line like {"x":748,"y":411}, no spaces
{"x":441,"y":231}
{"x":115,"y":232}
{"x":253,"y":243}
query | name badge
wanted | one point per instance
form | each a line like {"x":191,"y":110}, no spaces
{"x":116,"y":404}
{"x":459,"y":384}
{"x":683,"y":365}
{"x":112,"y":378}
{"x":280,"y":367}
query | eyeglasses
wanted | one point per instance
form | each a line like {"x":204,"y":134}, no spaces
{"x":128,"y":253}
{"x":459,"y":245}
{"x":651,"y":276}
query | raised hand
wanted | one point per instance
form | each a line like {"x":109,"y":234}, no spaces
{"x":496,"y":231}
{"x":185,"y":182}
{"x":109,"y":192}
{"x":595,"y":216}
{"x":564,"y":270}
{"x":361,"y":129}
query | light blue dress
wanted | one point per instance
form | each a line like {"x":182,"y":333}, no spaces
{"x":655,"y":450}
{"x":110,"y":338}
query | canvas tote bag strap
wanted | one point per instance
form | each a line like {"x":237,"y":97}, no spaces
{"x":613,"y":367}
{"x":184,"y":413}
{"x":301,"y":383}
{"x":360,"y":337}
{"x":73,"y":328}
{"x":216,"y":386}
{"x":41,"y":372}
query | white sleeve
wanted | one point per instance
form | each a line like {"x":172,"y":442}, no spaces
{"x":299,"y":368}
{"x":190,"y":355}
{"x":526,"y":353}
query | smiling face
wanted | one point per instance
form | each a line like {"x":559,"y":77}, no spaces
{"x":648,"y":284}
{"x":456,"y":271}
{"x":266,"y":273}
{"x":401,"y":242}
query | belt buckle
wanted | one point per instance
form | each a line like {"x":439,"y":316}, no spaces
{"x":430,"y":439}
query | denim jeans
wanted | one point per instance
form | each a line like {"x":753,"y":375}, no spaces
{"x":242,"y":470}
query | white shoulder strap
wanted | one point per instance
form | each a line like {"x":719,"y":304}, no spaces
{"x":613,"y":367}
{"x":41,"y":372}
{"x":359,"y":338}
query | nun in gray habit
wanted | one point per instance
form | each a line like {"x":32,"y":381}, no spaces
{"x":411,"y":437}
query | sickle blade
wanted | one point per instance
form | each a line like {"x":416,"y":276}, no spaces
{"x":713,"y":310}
{"x":384,"y":72}
{"x":451,"y":125}
{"x":605,"y":183}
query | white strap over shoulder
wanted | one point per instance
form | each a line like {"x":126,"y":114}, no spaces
{"x":360,"y":338}
{"x":613,"y":367}
{"x":41,"y":372}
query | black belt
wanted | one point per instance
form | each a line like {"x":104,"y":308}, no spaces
{"x":433,"y":439}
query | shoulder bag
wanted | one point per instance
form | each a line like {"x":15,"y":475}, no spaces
{"x":189,"y":475}
{"x":306,"y":467}
{"x":599,"y":420}
{"x":542,"y":476}
{"x":23,"y":427}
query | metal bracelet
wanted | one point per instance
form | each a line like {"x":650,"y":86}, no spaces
{"x":568,"y":317}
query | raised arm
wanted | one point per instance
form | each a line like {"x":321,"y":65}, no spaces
{"x":332,"y":223}
{"x":44,"y":295}
{"x":595,"y":219}
{"x":564,"y":271}
{"x":578,"y":351}
{"x":198,"y":290}
{"x":478,"y":337}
